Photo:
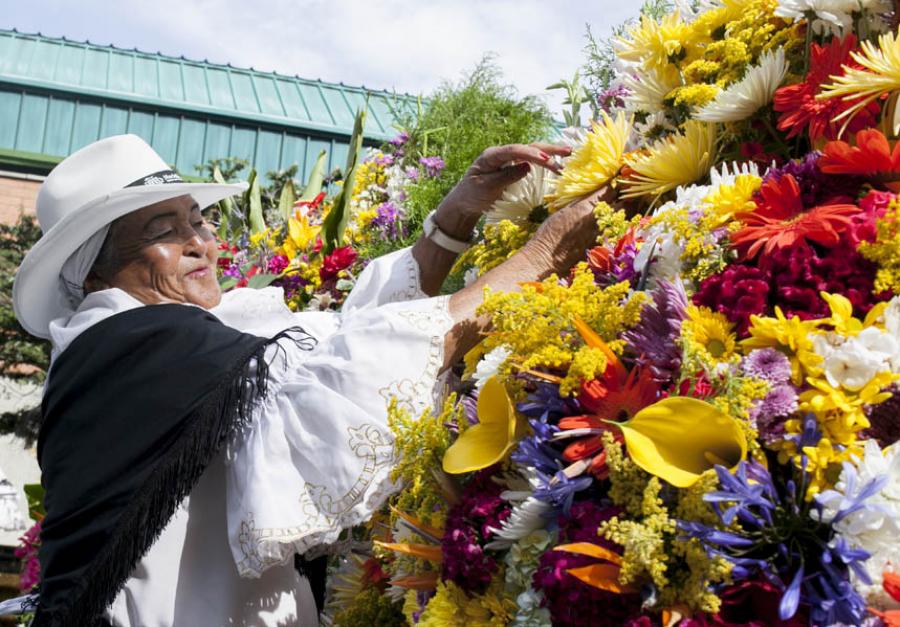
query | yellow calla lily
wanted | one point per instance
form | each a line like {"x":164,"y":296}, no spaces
{"x":490,"y":440}
{"x":679,"y":438}
{"x":301,"y":232}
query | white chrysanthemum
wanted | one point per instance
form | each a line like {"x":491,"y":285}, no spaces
{"x":526,"y":517}
{"x":648,"y":91}
{"x":726,"y":174}
{"x":650,"y":128}
{"x":876,"y":527}
{"x":742,"y":99}
{"x":521,"y":198}
{"x":490,"y":365}
{"x":831,"y":16}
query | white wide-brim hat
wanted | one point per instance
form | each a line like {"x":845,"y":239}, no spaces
{"x":83,"y":194}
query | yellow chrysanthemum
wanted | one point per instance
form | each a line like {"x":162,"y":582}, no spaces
{"x":709,"y":333}
{"x":792,"y":336}
{"x":594,"y":163}
{"x":654,"y":43}
{"x":880,"y":74}
{"x":727,"y":200}
{"x":673,"y":161}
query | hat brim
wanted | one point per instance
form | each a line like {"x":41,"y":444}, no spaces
{"x":38,"y":297}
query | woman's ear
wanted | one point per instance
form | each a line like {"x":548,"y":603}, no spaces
{"x":93,"y":283}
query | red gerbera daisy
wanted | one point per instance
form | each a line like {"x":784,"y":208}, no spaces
{"x":799,"y":107}
{"x":872,"y":156}
{"x":780,"y":220}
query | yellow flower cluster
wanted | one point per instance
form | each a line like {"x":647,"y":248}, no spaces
{"x":682,"y":571}
{"x":885,"y":250}
{"x":613,"y":224}
{"x":420,"y":444}
{"x":538,"y":323}
{"x":701,"y":255}
{"x":501,"y":241}
{"x":452,"y":607}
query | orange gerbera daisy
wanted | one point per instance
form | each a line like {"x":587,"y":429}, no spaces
{"x":780,"y":220}
{"x":872,"y":156}
{"x":618,"y":395}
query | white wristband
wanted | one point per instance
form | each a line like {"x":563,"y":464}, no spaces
{"x":435,"y":234}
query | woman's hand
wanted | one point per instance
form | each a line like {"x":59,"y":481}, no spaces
{"x":493,"y":171}
{"x":561,"y":242}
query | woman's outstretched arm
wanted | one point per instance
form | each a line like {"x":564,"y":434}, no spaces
{"x":558,"y":245}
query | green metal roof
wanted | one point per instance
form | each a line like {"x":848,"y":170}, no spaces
{"x":57,"y":95}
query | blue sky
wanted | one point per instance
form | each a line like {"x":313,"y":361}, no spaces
{"x":405,"y":45}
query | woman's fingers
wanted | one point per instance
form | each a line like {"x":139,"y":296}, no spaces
{"x":558,"y":150}
{"x":497,"y":157}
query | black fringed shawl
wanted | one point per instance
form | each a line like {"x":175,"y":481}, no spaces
{"x":135,"y":410}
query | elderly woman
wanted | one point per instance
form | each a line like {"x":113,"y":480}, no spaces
{"x":193,"y":443}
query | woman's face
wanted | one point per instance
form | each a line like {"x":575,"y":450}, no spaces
{"x":162,"y":253}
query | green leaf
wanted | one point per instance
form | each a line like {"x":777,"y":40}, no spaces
{"x":227,"y":282}
{"x":316,"y":177}
{"x":259,"y":281}
{"x":336,"y":222}
{"x":34,"y":493}
{"x":287,"y":199}
{"x":253,"y":198}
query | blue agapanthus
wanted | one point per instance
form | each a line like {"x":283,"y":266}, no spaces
{"x":775,"y":531}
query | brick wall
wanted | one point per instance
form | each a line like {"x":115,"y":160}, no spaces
{"x":18,"y":193}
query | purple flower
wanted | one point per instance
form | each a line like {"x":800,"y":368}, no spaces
{"x":387,"y":219}
{"x":400,"y":140}
{"x":767,"y":364}
{"x":816,"y":187}
{"x":432,"y":165}
{"x":771,"y":413}
{"x":782,"y":540}
{"x":385,"y":160}
{"x":559,"y":490}
{"x":655,"y":338}
{"x":412,"y":172}
{"x":613,"y":97}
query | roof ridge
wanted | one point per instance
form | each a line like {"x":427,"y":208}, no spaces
{"x":205,"y":62}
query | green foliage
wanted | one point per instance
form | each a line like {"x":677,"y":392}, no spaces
{"x":22,"y":356}
{"x":461,"y":120}
{"x":599,"y":68}
{"x":335,"y":223}
{"x":576,"y":95}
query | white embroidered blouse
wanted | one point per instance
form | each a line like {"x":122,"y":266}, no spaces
{"x":315,"y":460}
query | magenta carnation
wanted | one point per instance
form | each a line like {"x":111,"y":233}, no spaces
{"x":571,"y":602}
{"x":738,"y":292}
{"x":27,"y":552}
{"x":467,"y":530}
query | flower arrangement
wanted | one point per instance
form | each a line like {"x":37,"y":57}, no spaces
{"x":314,"y":246}
{"x":698,"y":424}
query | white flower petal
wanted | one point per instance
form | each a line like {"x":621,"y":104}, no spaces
{"x":742,"y":99}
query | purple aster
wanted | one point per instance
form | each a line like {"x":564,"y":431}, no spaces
{"x":387,"y":219}
{"x":432,"y":165}
{"x":400,"y":140}
{"x":655,"y":338}
{"x":385,"y":160}
{"x":767,"y":364}
{"x":412,"y":172}
{"x":771,"y":413}
{"x":816,"y":187}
